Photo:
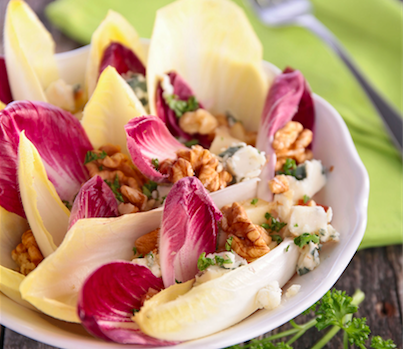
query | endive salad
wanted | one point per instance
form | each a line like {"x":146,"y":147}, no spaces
{"x":169,"y":197}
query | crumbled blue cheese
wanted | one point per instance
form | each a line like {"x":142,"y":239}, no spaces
{"x":328,"y":234}
{"x":61,"y":94}
{"x":243,"y":161}
{"x":309,"y":258}
{"x":269,"y":297}
{"x":292,"y":290}
{"x":150,"y":261}
{"x":167,"y":87}
{"x":306,"y":219}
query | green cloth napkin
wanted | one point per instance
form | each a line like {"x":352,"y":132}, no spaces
{"x":371,"y":32}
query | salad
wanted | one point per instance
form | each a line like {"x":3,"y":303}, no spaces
{"x":158,"y":203}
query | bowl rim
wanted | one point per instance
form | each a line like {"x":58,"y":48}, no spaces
{"x":45,"y":335}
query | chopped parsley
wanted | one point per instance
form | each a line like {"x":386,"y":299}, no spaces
{"x":288,"y":247}
{"x":290,"y":168}
{"x":155,"y":163}
{"x":277,"y":238}
{"x":180,"y":107}
{"x":163,"y":199}
{"x":254,"y":201}
{"x":92,"y":156}
{"x":148,"y":188}
{"x":178,"y":282}
{"x":305,"y":239}
{"x":134,"y":310}
{"x":115,"y":186}
{"x":228,"y":243}
{"x":306,"y":198}
{"x":296,"y":225}
{"x":135,"y":250}
{"x":274,"y":225}
{"x":191,"y":142}
{"x":204,"y":262}
{"x":67,"y":204}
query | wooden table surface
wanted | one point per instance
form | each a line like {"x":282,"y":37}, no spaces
{"x":376,"y":271}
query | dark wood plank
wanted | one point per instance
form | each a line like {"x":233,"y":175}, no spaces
{"x":13,"y":340}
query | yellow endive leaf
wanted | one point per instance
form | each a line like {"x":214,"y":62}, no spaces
{"x":2,"y":105}
{"x":29,"y":53}
{"x":54,"y":285}
{"x":114,"y":28}
{"x":47,"y":215}
{"x":110,"y":108}
{"x":12,"y":227}
{"x":211,"y":44}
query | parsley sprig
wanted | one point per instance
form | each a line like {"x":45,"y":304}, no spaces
{"x":181,"y":107}
{"x":305,"y":239}
{"x":334,"y":310}
{"x":115,"y":186}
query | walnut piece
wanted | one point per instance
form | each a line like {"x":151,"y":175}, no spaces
{"x":199,"y":121}
{"x":291,"y":142}
{"x":199,"y":162}
{"x":148,"y":242}
{"x":250,"y":241}
{"x":118,"y":165}
{"x":279,"y":184}
{"x":27,"y":254}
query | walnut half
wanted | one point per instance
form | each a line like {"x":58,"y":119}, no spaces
{"x":250,"y":241}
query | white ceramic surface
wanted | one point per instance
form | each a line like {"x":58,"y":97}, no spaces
{"x":346,"y":192}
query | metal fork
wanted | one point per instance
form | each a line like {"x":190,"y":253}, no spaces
{"x":299,"y":12}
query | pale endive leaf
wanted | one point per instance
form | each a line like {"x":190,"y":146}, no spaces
{"x":12,"y":226}
{"x":114,"y":28}
{"x":29,"y":52}
{"x":212,"y":46}
{"x":89,"y":244}
{"x":47,"y":215}
{"x":112,"y":105}
{"x":178,"y":314}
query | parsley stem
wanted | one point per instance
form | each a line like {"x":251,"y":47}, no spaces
{"x":295,"y":325}
{"x":345,"y":340}
{"x":303,"y":329}
{"x":294,"y":331}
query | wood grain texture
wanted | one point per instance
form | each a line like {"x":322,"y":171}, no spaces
{"x":378,"y":272}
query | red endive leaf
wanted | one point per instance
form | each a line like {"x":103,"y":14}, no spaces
{"x":122,"y":59}
{"x":148,"y":138}
{"x":108,"y":297}
{"x":288,"y":99}
{"x":95,"y":199}
{"x":5,"y":92}
{"x":189,"y":228}
{"x":184,"y":92}
{"x":60,"y":140}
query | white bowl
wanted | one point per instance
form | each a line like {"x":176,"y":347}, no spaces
{"x":346,"y":192}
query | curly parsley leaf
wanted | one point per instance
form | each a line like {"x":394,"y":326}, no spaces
{"x":357,"y":331}
{"x":67,"y":204}
{"x":305,"y":239}
{"x":254,"y":201}
{"x":333,"y":307}
{"x":191,"y":142}
{"x":306,"y":198}
{"x":378,"y":343}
